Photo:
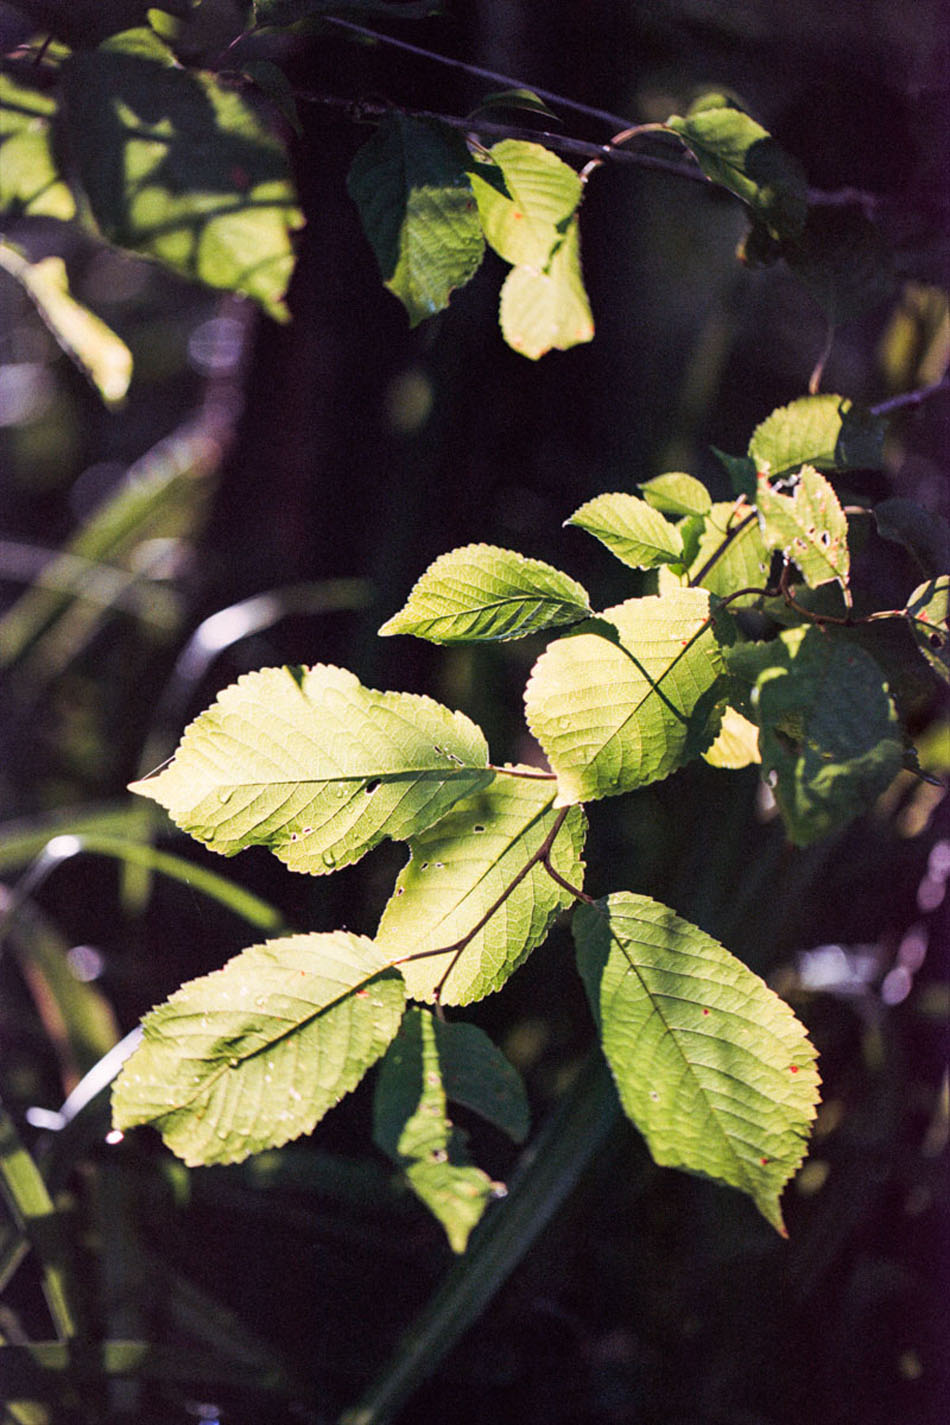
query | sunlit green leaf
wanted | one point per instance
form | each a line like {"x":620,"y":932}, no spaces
{"x":629,"y":696}
{"x":316,"y":767}
{"x":730,"y":555}
{"x":824,"y":431}
{"x":543,"y":192}
{"x":808,"y":526}
{"x":677,"y":494}
{"x":736,"y":744}
{"x":929,"y":610}
{"x":457,"y":878}
{"x":179,"y":168}
{"x":829,"y":735}
{"x":30,"y":181}
{"x":712,"y":1067}
{"x":256,"y":1053}
{"x":545,"y":310}
{"x":925,"y":533}
{"x":631,"y":529}
{"x":411,"y":1125}
{"x":415,"y":202}
{"x":98,"y":352}
{"x":481,"y":592}
{"x":736,"y":152}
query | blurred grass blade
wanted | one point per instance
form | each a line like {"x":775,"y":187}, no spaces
{"x":23,"y":840}
{"x":573,"y":1134}
{"x":37,"y":1218}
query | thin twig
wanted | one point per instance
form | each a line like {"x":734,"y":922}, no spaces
{"x":721,"y":549}
{"x":910,"y":398}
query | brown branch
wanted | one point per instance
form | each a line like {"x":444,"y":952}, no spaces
{"x":720,"y":551}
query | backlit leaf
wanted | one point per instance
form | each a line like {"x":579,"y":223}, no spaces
{"x":736,"y":744}
{"x":631,"y":529}
{"x":929,"y":610}
{"x":460,"y":869}
{"x":30,"y":180}
{"x":829,"y":735}
{"x":481,"y":592}
{"x":736,"y":152}
{"x":179,"y":168}
{"x":629,"y":696}
{"x":808,"y":526}
{"x":415,"y":202}
{"x":677,"y":493}
{"x":824,"y":431}
{"x":543,"y":192}
{"x":547,"y":309}
{"x":256,"y":1053}
{"x":411,"y":1125}
{"x":712,"y":1067}
{"x":729,"y":556}
{"x":316,"y":767}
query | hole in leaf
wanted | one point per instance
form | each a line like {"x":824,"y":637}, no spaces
{"x":371,"y":787}
{"x":478,"y":828}
{"x":935,"y":640}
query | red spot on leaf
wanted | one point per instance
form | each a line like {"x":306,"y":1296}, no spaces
{"x":517,"y":215}
{"x":705,"y":1011}
{"x":362,"y":994}
{"x":793,"y":1068}
{"x":763,"y":1161}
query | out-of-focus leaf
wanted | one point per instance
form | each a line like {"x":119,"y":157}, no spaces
{"x":915,"y":348}
{"x":415,"y":202}
{"x":808,"y":526}
{"x":273,"y":82}
{"x":736,"y":152}
{"x":180,"y":169}
{"x":825,"y":431}
{"x":317,"y":768}
{"x":924,"y":533}
{"x":452,"y":892}
{"x":843,"y":261}
{"x":95,"y":348}
{"x":411,"y":1125}
{"x":629,"y":696}
{"x":481,"y":592}
{"x":256,"y":1053}
{"x":631,"y":529}
{"x":545,"y":310}
{"x":712,"y":1067}
{"x":30,"y":181}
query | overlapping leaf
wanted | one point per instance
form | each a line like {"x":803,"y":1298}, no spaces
{"x":923,"y":532}
{"x":316,"y":767}
{"x":712,"y":1067}
{"x":736,"y":744}
{"x":543,"y":191}
{"x":629,"y":697}
{"x":415,"y":201}
{"x":929,"y":611}
{"x":460,"y":890}
{"x":808,"y":526}
{"x":548,"y":309}
{"x":736,"y":152}
{"x":829,"y":733}
{"x":825,"y":431}
{"x":677,"y":493}
{"x":730,"y":554}
{"x":256,"y":1053}
{"x":179,"y":168}
{"x":476,"y":1073}
{"x":411,"y":1125}
{"x":30,"y":181}
{"x":481,"y":592}
{"x":632,"y":529}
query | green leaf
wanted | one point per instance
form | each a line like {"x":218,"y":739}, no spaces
{"x":30,"y":180}
{"x":929,"y":611}
{"x":256,"y":1053}
{"x":484,"y":593}
{"x":737,"y":743}
{"x":677,"y":494}
{"x":729,"y":556}
{"x":317,"y":768}
{"x":925,"y":533}
{"x":515,"y":99}
{"x":545,"y":310}
{"x":808,"y":526}
{"x":629,"y":697}
{"x":460,"y":887}
{"x":415,"y":202}
{"x":93,"y":346}
{"x":274,"y":84}
{"x":477,"y":1075}
{"x":737,"y":153}
{"x":829,"y":734}
{"x":712,"y":1067}
{"x":631,"y":529}
{"x":824,"y":431}
{"x":180,"y":169}
{"x":411,"y":1125}
{"x":526,"y":226}
{"x":741,"y":471}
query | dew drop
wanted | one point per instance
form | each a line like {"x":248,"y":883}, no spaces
{"x":225,"y":796}
{"x":233,"y":1063}
{"x":329,"y":860}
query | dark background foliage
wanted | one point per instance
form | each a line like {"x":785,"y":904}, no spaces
{"x":354,"y":448}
